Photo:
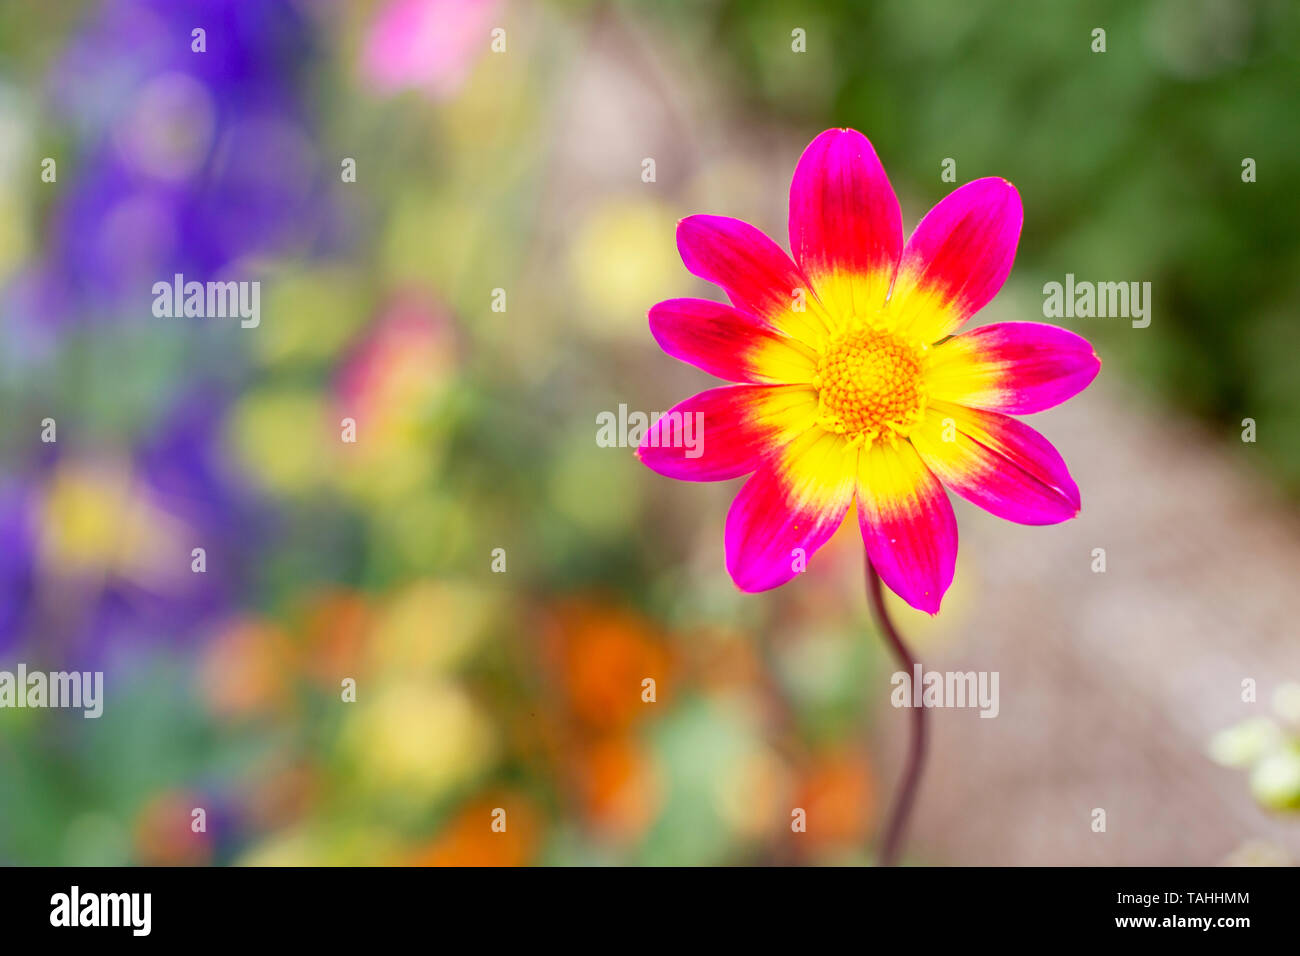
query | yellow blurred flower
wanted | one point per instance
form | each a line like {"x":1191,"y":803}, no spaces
{"x":284,"y":438}
{"x":751,"y":790}
{"x":316,"y":312}
{"x":427,"y":628}
{"x":415,"y":740}
{"x":1275,"y":780}
{"x":432,"y":238}
{"x":425,"y":514}
{"x":16,"y":126}
{"x":96,"y":521}
{"x":13,"y":232}
{"x":294,"y":847}
{"x":621,"y":259}
{"x":328,"y":843}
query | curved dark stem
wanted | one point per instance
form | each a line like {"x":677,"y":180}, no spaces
{"x":903,"y":802}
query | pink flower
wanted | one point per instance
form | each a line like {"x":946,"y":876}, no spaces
{"x":428,"y":45}
{"x":855,"y":387}
{"x":406,"y":359}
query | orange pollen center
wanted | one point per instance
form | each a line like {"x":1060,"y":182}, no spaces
{"x":869,"y":385}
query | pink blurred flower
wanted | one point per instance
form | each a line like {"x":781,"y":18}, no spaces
{"x":428,"y":45}
{"x":405,"y":360}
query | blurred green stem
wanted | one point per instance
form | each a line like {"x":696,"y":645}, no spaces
{"x":892,"y":841}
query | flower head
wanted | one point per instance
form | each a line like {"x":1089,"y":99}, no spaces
{"x":854,"y":383}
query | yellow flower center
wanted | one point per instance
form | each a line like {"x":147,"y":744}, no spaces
{"x":869,"y":385}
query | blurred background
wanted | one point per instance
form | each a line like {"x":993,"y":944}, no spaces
{"x":447,"y":205}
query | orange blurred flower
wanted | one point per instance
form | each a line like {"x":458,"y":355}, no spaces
{"x":281,"y":795}
{"x":469,"y":839}
{"x":604,"y":653}
{"x":335,"y":625}
{"x":164,"y":834}
{"x":838,"y":791}
{"x":248,"y":669}
{"x":618,"y":786}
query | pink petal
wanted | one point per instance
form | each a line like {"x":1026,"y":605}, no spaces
{"x":729,"y":343}
{"x":957,"y":259}
{"x":788,"y":509}
{"x":757,"y":275}
{"x":729,"y":430}
{"x":998,"y":463}
{"x":846,"y":229}
{"x":1013,"y":367}
{"x":907,"y":523}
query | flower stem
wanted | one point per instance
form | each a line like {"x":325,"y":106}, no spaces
{"x":907,"y":788}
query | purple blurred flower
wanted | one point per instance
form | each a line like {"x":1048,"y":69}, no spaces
{"x":192,"y":162}
{"x":95,"y":553}
{"x":17,"y":561}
